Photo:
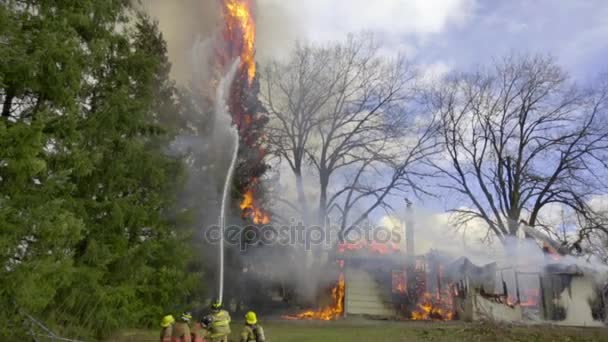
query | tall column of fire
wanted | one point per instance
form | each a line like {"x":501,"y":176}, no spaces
{"x":239,"y":34}
{"x":237,"y":42}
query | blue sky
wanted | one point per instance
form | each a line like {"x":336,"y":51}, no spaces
{"x":574,"y":31}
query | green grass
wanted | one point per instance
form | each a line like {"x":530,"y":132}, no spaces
{"x":348,"y":331}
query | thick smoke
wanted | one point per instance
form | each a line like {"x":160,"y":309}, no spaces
{"x":184,"y":24}
{"x":188,"y":24}
{"x":191,"y":28}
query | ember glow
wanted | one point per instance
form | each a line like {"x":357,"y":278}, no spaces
{"x":399,"y":282}
{"x":530,"y":298}
{"x":240,"y":29}
{"x":328,"y":313}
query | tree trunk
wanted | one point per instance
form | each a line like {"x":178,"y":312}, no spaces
{"x":8,"y":102}
{"x":324,"y":181}
{"x":513,"y":225}
{"x":302,"y":197}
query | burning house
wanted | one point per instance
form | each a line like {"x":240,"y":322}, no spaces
{"x":573,"y":295}
{"x":479,"y":295}
{"x":384,"y":281}
{"x":559,"y":293}
{"x":370,"y":272}
{"x":553,"y":289}
{"x":381,"y":284}
{"x":387,"y":281}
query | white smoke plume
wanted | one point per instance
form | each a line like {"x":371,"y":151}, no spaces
{"x":576,"y":300}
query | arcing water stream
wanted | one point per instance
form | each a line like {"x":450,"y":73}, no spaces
{"x":223,"y":116}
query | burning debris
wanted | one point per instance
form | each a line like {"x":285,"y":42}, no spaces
{"x":330,"y":312}
{"x":251,"y":210}
{"x":432,"y":307}
{"x":433,"y":294}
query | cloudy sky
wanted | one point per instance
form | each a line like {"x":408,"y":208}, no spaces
{"x":450,"y":33}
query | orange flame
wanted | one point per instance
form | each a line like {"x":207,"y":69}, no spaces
{"x":240,"y":22}
{"x":328,"y":313}
{"x":430,"y":308}
{"x":251,"y":210}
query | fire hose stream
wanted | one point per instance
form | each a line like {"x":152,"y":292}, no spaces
{"x":223,"y":212}
{"x":224,"y":115}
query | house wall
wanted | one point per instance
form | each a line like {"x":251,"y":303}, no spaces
{"x":486,"y":309}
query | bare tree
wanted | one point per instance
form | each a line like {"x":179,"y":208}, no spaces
{"x":295,"y":93}
{"x":343,"y":111}
{"x":520,"y":136}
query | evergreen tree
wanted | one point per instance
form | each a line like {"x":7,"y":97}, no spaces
{"x":90,"y":241}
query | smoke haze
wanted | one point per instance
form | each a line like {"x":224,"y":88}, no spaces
{"x":184,"y":23}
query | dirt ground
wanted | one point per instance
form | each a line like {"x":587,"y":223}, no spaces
{"x":379,"y":331}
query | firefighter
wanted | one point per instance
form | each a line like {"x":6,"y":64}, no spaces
{"x":252,"y":332}
{"x":181,"y":329}
{"x":219,"y":323}
{"x":166,"y":324}
{"x":201,"y":329}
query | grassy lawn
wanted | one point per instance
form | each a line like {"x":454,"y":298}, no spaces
{"x":348,"y":331}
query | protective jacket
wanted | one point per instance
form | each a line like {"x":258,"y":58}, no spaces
{"x":166,"y":334}
{"x":253,"y":333}
{"x":219,"y":328}
{"x":181,"y":332}
{"x":198,"y":332}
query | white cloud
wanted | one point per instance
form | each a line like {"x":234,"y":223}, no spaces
{"x":326,"y":20}
{"x":414,"y":16}
{"x":434,"y":72}
{"x":599,"y":203}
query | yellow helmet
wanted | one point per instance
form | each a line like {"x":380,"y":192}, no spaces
{"x":251,"y":318}
{"x":167,"y":321}
{"x":217,"y":305}
{"x":186,"y":317}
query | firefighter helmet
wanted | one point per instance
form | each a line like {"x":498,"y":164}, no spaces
{"x":186,"y":317}
{"x":167,"y":321}
{"x":251,"y":318}
{"x":217,"y":305}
